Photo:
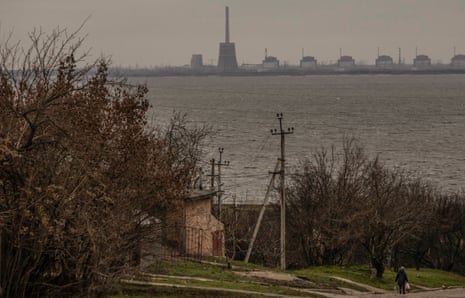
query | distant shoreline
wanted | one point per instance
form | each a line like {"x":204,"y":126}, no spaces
{"x":284,"y":72}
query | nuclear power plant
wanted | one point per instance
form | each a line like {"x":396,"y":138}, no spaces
{"x":227,"y":61}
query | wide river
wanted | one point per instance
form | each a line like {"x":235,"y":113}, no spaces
{"x":415,"y":122}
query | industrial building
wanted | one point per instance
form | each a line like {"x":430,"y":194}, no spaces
{"x":421,"y":61}
{"x":458,"y":61}
{"x":308,"y":62}
{"x":270,"y":62}
{"x":227,"y":61}
{"x":346,"y":62}
{"x":196,"y":62}
{"x":384,"y":61}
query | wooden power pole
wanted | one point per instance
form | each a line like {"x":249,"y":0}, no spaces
{"x":282,"y":133}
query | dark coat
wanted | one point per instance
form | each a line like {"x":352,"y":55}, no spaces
{"x":401,"y":277}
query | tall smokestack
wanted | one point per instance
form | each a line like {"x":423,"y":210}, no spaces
{"x":227,"y":24}
{"x":227,"y":61}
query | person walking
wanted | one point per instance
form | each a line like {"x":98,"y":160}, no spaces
{"x":401,"y":279}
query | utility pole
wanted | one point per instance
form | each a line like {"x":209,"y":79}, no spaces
{"x":282,"y":133}
{"x":220,"y":192}
{"x":234,"y":232}
{"x":212,"y":181}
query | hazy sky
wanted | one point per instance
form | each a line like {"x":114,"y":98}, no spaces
{"x":168,"y":32}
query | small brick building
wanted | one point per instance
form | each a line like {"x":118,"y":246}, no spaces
{"x":194,"y":228}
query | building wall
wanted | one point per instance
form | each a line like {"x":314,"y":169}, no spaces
{"x":384,"y":63}
{"x":308,"y":64}
{"x":422,"y":62}
{"x":346,"y":63}
{"x":227,"y":59}
{"x":458,"y":63}
{"x":270,"y":65}
{"x":201,"y":226}
{"x":196,"y":61}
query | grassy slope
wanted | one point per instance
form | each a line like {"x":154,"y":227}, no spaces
{"x":220,"y":276}
{"x":425,"y":277}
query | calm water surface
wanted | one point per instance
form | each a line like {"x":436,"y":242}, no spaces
{"x":416,"y":122}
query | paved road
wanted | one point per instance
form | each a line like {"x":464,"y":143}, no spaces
{"x":449,"y":293}
{"x":374,"y":292}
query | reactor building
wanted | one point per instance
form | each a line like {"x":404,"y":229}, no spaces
{"x":227,"y":61}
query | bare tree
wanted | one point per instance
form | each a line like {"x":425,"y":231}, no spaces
{"x":393,"y":210}
{"x":447,"y":229}
{"x":322,"y":198}
{"x":82,"y":178}
{"x":341,"y":205}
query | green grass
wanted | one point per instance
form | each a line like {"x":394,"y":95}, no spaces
{"x":219,"y":276}
{"x":359,"y":274}
{"x":425,"y":277}
{"x":247,"y":286}
{"x":130,"y":291}
{"x":435,"y":278}
{"x":242,"y":265}
{"x":193,"y":269}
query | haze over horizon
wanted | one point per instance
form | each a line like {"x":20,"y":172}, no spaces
{"x":167,"y":32}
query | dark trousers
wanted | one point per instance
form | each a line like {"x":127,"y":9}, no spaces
{"x":401,"y":288}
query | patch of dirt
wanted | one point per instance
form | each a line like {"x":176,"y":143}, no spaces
{"x":286,"y":280}
{"x":277,"y":278}
{"x":269,"y":275}
{"x":293,"y":282}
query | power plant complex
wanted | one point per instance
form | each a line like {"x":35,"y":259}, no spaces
{"x":227,"y":62}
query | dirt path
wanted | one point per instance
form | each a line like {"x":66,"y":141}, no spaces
{"x":372,"y":291}
{"x":375,"y":292}
{"x":288,"y":279}
{"x":158,"y":284}
{"x":447,"y":293}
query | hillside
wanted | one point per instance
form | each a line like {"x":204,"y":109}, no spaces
{"x":215,"y":279}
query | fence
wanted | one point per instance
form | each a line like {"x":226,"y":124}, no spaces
{"x":175,"y":243}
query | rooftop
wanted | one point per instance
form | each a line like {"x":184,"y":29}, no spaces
{"x":384,"y":58}
{"x":458,"y":57}
{"x":200,"y":194}
{"x":270,"y":59}
{"x":346,"y":58}
{"x":422,"y":57}
{"x":308,"y":59}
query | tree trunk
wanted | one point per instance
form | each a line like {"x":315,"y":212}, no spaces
{"x":379,"y":266}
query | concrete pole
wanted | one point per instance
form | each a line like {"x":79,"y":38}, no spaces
{"x":219,"y":183}
{"x":283,"y":201}
{"x":220,"y":192}
{"x":282,"y":133}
